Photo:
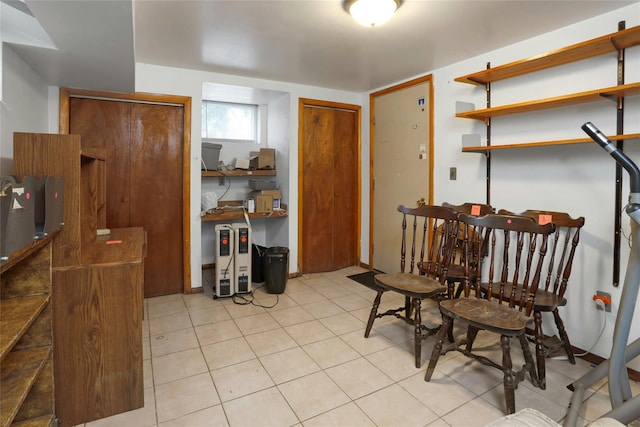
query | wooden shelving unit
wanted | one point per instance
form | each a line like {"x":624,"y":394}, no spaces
{"x":26,"y":369}
{"x":611,"y":43}
{"x":606,"y":44}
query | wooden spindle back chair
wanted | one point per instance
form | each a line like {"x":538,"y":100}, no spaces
{"x":420,"y":246}
{"x":515,"y":249}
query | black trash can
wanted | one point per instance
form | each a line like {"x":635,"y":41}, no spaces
{"x":276,"y":269}
{"x":257,"y":263}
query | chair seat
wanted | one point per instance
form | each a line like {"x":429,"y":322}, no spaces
{"x":411,"y":285}
{"x":545,"y":300}
{"x":488,"y":315}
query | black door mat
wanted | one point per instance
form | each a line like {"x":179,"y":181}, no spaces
{"x":365,"y":279}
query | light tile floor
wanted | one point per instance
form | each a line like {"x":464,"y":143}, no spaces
{"x":305,"y":362}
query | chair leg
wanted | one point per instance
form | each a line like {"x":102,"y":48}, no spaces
{"x":540,"y":350}
{"x":528,"y":358}
{"x":507,"y":368}
{"x":374,"y":313}
{"x":417,"y":331}
{"x":459,"y":290}
{"x":407,"y":309}
{"x":449,"y":331}
{"x":564,"y":337}
{"x":437,"y":347}
{"x":472,"y":333}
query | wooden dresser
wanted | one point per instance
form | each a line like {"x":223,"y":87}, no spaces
{"x":97,"y":286}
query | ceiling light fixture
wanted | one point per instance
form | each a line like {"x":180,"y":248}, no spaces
{"x":371,"y":12}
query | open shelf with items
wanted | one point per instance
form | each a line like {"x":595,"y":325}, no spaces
{"x":240,"y":172}
{"x":26,"y":368}
{"x":232,"y":209}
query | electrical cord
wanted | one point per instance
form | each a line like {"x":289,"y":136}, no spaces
{"x":246,"y":299}
{"x":600,"y":304}
{"x":228,"y":181}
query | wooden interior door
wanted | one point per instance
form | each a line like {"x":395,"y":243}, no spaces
{"x":329,"y":186}
{"x":144,"y":164}
{"x":402,"y":170}
{"x":156,"y":192}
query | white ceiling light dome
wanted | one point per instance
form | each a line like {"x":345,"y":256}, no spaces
{"x":372,"y":13}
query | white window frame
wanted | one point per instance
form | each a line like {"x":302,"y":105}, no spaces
{"x":258,"y":122}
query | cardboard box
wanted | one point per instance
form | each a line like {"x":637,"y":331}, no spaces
{"x":273,"y":193}
{"x":263,"y":159}
{"x":264,"y":203}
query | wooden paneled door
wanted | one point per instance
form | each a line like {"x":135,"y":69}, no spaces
{"x":145,"y":158}
{"x":329,"y":186}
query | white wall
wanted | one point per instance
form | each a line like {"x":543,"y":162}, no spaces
{"x":24,"y":106}
{"x":177,"y":81}
{"x":578,"y":179}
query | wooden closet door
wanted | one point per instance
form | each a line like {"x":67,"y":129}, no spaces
{"x":329,"y":189}
{"x":143,"y":143}
{"x":345,"y":189}
{"x":156,"y":192}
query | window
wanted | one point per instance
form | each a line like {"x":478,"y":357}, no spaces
{"x":229,"y":122}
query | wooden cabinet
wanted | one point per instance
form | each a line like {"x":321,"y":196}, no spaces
{"x":98,"y":329}
{"x":26,"y":361}
{"x":591,"y":48}
{"x":234,"y":207}
{"x":97,"y":286}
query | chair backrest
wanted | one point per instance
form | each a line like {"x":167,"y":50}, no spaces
{"x":477,"y":209}
{"x":562,"y":247}
{"x":515,"y":249}
{"x":427,"y":250}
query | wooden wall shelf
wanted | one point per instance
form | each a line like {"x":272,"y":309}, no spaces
{"x":241,"y":172}
{"x":485,"y":149}
{"x":26,"y":368}
{"x":235,"y":211}
{"x":588,"y":49}
{"x":559,"y":101}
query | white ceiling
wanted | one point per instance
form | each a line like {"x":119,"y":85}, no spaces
{"x":311,"y":42}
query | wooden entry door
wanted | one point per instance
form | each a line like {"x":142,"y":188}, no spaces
{"x":402,"y":152}
{"x":328,"y":186}
{"x":144,"y":159}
